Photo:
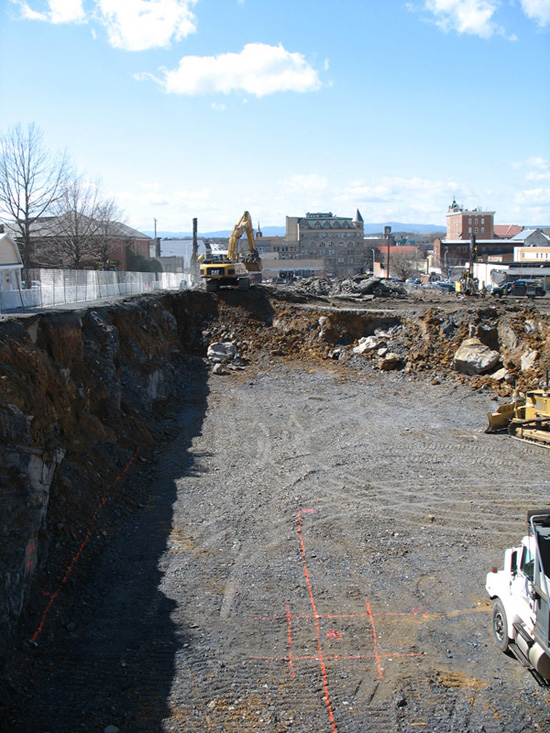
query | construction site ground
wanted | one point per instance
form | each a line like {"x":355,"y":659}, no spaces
{"x":307,"y":553}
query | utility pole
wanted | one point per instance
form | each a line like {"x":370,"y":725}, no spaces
{"x":194,"y":256}
{"x":387,"y":233}
{"x":157,"y":241}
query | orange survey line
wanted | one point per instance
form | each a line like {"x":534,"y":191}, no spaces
{"x":80,"y":549}
{"x":290,"y":664}
{"x":415,"y":612}
{"x":337,"y":657}
{"x":317,"y":629}
{"x":376,"y":654}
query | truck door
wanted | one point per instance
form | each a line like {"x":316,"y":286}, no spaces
{"x":522,"y":585}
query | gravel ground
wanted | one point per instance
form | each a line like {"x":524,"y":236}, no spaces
{"x":310,"y":555}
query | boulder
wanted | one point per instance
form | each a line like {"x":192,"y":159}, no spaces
{"x":473,"y":357}
{"x":502,"y":375}
{"x":390,"y":361}
{"x":507,"y":336}
{"x":528,"y":360}
{"x":366,"y":344}
{"x":220,"y":352}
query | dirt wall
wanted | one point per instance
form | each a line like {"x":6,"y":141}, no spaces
{"x":80,"y":391}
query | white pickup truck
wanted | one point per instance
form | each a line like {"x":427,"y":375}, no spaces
{"x":521,"y":610}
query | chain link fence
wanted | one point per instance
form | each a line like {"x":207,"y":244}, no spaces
{"x":58,"y":287}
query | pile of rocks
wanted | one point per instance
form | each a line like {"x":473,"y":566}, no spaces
{"x":224,"y":355}
{"x":357,"y":287}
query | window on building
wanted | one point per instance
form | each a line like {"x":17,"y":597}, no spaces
{"x":476,"y":230}
{"x":483,"y":221}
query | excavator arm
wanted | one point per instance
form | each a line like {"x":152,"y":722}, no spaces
{"x":252,"y":259}
{"x":243,"y":225}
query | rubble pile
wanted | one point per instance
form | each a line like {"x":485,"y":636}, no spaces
{"x":481,"y":345}
{"x":356,"y":288}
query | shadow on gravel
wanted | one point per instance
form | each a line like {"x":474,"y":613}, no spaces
{"x":108,"y":655}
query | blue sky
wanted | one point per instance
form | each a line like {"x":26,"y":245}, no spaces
{"x":206,"y":108}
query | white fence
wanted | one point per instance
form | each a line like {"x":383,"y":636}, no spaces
{"x":58,"y":287}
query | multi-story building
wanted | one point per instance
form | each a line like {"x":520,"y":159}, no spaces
{"x":285,"y":249}
{"x":462,"y":223}
{"x":336,"y":239}
{"x":491,"y":241}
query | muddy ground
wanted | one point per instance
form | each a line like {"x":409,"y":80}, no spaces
{"x":306,"y":553}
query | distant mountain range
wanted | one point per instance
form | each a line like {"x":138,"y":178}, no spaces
{"x":396,"y":227}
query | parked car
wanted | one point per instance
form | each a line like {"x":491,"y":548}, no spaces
{"x":448,"y":287}
{"x":528,"y":288}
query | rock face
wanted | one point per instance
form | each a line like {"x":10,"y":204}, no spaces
{"x":473,"y":357}
{"x":79,"y":392}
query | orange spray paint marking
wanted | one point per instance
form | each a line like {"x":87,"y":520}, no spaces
{"x":377,"y":655}
{"x":290,"y":663}
{"x":332,"y":634}
{"x":30,"y":557}
{"x":80,"y":549}
{"x":316,"y":619}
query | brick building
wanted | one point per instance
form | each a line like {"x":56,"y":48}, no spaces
{"x":462,"y":223}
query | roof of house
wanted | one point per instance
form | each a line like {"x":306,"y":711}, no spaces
{"x":523,"y":235}
{"x":506,"y":231}
{"x":49,"y":226}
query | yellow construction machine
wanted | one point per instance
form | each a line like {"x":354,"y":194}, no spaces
{"x":527,"y":417}
{"x":232,"y":268}
{"x":468,"y":283}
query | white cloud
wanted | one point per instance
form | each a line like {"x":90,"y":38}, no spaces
{"x":304,"y":183}
{"x":136,"y":25}
{"x":176,"y":206}
{"x":474,"y":17}
{"x":133,"y":25}
{"x":531,"y":207}
{"x":414,"y":200}
{"x":537,"y":168}
{"x":534,"y":197}
{"x":258,"y":69}
{"x":537,"y":10}
{"x":59,"y":11}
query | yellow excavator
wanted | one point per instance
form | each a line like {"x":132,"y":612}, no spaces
{"x":527,"y":417}
{"x":232,"y":268}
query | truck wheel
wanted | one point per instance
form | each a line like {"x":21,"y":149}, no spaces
{"x":244,"y":283}
{"x":212,"y":286}
{"x":500,"y":626}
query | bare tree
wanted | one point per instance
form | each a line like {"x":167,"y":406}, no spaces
{"x":32,"y":179}
{"x":404,"y":264}
{"x":71,"y":236}
{"x":109,"y":220}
